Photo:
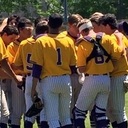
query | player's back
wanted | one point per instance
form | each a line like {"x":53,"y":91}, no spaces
{"x":24,"y":53}
{"x":98,"y":65}
{"x":121,"y":65}
{"x":58,"y":55}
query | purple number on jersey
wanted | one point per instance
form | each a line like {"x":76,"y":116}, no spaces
{"x":59,"y":62}
{"x":29,"y":67}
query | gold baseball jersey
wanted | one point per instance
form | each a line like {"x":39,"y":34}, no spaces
{"x":23,"y":55}
{"x":121,"y":65}
{"x":3,"y":55}
{"x":65,"y":33}
{"x":75,"y":39}
{"x":11,"y":50}
{"x":3,"y":52}
{"x":97,"y":65}
{"x":55,"y":54}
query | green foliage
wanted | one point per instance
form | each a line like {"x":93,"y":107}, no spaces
{"x":87,"y":7}
{"x":83,"y":7}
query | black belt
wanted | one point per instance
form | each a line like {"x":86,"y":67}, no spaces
{"x":3,"y":80}
{"x":28,"y":74}
{"x":96,"y":74}
{"x":56,"y":75}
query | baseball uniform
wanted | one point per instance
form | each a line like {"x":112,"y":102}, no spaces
{"x":116,"y":102}
{"x":76,"y":86}
{"x":55,"y":54}
{"x":22,"y":58}
{"x":96,"y":86}
{"x":4,"y":112}
{"x":17,"y":95}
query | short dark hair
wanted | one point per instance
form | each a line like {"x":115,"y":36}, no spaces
{"x":95,"y":17}
{"x":13,"y":17}
{"x":23,"y":21}
{"x":41,"y":28}
{"x":109,"y":19}
{"x":10,"y":30}
{"x":74,"y":18}
{"x":39,"y":19}
{"x":55,"y":21}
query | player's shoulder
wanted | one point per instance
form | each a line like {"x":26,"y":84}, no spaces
{"x":80,"y":40}
{"x":43,"y":38}
{"x":11,"y":44}
{"x":30,"y":40}
{"x":107,"y":38}
{"x":64,"y":33}
{"x":64,"y":38}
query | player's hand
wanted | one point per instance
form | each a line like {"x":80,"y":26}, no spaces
{"x":118,"y":34}
{"x":19,"y":80}
{"x":37,"y":102}
{"x":81,"y":78}
{"x":33,"y":94}
{"x":119,"y":37}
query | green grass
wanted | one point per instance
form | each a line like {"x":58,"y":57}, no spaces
{"x":87,"y":120}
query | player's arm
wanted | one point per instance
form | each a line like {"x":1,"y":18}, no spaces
{"x":6,"y":66}
{"x":37,"y":61}
{"x":11,"y":53}
{"x":15,"y":67}
{"x":115,"y":50}
{"x":81,"y":59}
{"x":119,"y":37}
{"x":73,"y":58}
{"x":17,"y":63}
{"x":81,"y":69}
{"x":36,"y":72}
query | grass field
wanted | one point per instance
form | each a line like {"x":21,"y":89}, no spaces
{"x":87,"y":120}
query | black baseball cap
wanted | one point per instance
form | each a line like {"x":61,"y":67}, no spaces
{"x":123,"y":26}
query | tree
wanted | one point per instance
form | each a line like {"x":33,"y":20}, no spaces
{"x":32,"y":8}
{"x":88,"y":7}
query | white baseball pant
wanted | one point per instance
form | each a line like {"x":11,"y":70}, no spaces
{"x":28,"y":99}
{"x":4,"y":112}
{"x":56,"y":91}
{"x":116,"y":103}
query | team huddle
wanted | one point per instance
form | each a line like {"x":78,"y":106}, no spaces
{"x":73,"y":72}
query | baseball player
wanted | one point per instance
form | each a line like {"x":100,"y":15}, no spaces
{"x":22,"y":59}
{"x":54,"y":56}
{"x":96,"y":27}
{"x":96,"y":86}
{"x":8,"y":34}
{"x":116,"y":103}
{"x":73,"y":33}
{"x":95,"y":21}
{"x":11,"y":20}
{"x":18,"y":101}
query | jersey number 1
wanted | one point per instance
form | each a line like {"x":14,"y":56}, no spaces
{"x":59,"y":61}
